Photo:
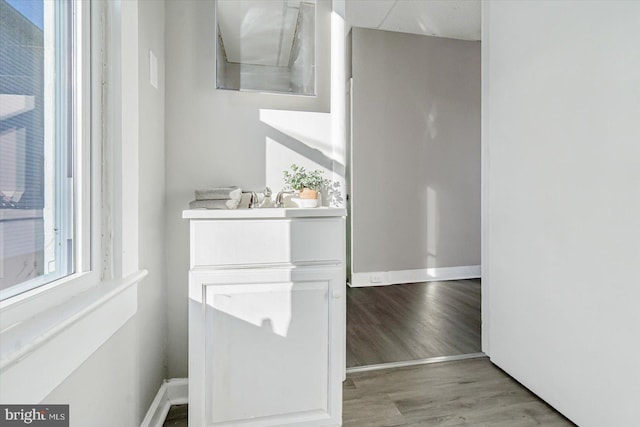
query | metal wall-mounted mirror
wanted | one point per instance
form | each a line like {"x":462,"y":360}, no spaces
{"x":266,"y":45}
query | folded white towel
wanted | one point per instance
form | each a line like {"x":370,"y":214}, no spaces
{"x":219,"y":193}
{"x":214,"y":204}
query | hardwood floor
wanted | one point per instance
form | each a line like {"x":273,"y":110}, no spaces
{"x":412,"y":321}
{"x":463,"y":393}
{"x":177,"y":416}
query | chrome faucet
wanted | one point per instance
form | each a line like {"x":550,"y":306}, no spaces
{"x":267,"y":202}
{"x":279,"y":202}
{"x":254,"y":199}
{"x":254,"y":202}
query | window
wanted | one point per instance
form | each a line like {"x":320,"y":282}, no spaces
{"x":46,"y":314}
{"x":40,"y":143}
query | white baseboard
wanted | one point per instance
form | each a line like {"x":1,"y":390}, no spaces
{"x":172,"y":392}
{"x":382,"y":278}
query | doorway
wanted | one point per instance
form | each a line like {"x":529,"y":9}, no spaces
{"x":414,"y":181}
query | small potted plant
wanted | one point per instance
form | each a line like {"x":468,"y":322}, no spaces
{"x":306,"y":183}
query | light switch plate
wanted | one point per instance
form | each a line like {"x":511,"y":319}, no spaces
{"x":153,"y":69}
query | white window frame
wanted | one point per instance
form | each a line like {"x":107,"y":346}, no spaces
{"x":49,"y":331}
{"x":58,"y":213}
{"x":85,"y":210}
{"x":59,"y":289}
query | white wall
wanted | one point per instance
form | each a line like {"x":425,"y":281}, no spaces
{"x":152,"y":311}
{"x":562,"y":103}
{"x":105,"y":390}
{"x":416,"y":152}
{"x":116,"y":385}
{"x":218,"y":137}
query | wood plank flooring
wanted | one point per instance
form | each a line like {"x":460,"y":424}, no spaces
{"x":469,"y":392}
{"x":177,"y":416}
{"x":413,"y":321}
{"x":463,"y":393}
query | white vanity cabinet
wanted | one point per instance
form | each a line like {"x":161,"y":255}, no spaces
{"x":266,"y":317}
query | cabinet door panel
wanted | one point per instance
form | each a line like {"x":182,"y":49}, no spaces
{"x":268,"y":353}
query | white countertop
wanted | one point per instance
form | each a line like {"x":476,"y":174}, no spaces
{"x":263,"y":213}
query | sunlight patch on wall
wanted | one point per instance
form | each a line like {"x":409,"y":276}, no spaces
{"x":311,"y":128}
{"x":279,"y":158}
{"x":432,"y":226}
{"x":306,"y":139}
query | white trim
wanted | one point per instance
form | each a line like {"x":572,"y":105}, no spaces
{"x":382,"y":278}
{"x":42,"y":344}
{"x":46,"y":291}
{"x":171,"y":392}
{"x":391,"y":365}
{"x":484,"y":179}
{"x":127,"y":177}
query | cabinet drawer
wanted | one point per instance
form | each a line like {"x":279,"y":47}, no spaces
{"x":247,"y":242}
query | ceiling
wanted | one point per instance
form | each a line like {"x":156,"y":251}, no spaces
{"x":261,"y":32}
{"x":456,"y":19}
{"x":258,"y":32}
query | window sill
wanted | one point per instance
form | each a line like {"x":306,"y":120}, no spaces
{"x":55,"y":341}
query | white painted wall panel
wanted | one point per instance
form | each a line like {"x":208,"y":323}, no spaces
{"x":561,"y":109}
{"x":152,"y":309}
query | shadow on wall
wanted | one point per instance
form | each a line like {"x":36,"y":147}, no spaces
{"x":303,"y":138}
